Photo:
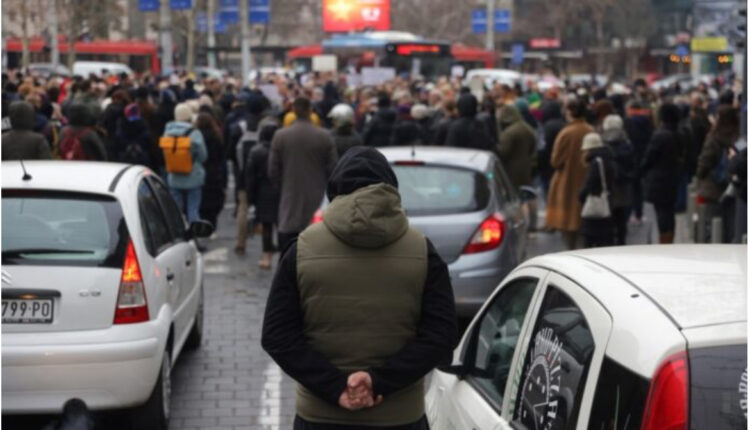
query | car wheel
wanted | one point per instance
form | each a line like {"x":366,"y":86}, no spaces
{"x":154,"y":414}
{"x":196,"y":333}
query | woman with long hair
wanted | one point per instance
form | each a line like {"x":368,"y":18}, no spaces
{"x":216,"y":174}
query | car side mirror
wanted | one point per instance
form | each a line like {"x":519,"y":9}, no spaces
{"x":527,"y":193}
{"x":201,"y":229}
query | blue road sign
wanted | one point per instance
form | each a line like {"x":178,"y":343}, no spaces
{"x":501,"y":24}
{"x":259,"y":12}
{"x":682,"y":51}
{"x":201,"y":23}
{"x":180,"y":4}
{"x":502,"y":21}
{"x":479,"y":21}
{"x":148,"y":5}
{"x":229,"y":10}
{"x":518,"y":53}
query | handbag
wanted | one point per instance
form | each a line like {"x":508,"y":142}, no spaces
{"x":597,"y":207}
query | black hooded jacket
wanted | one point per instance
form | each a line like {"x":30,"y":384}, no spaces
{"x":468,"y":131}
{"x":21,"y":142}
{"x":379,"y":131}
{"x":283,"y":325}
{"x":552,"y":123}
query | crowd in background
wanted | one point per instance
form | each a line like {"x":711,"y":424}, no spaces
{"x":571,"y":141}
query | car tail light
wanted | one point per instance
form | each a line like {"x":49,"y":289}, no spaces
{"x":489,"y":235}
{"x":132,"y":306}
{"x":318,"y":217}
{"x":667,"y":405}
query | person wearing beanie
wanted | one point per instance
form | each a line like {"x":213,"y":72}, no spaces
{"x":186,"y":188}
{"x":617,"y":141}
{"x":21,"y":142}
{"x":563,"y":209}
{"x":343,"y":133}
{"x":661,"y":168}
{"x":361,"y":307}
{"x":467,"y":131}
{"x":379,"y":131}
{"x":597,"y":231}
{"x":132,"y":138}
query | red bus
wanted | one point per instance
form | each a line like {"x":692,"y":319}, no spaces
{"x":140,"y":55}
{"x":402,"y":51}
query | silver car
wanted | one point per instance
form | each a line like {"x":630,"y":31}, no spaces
{"x":462,"y":200}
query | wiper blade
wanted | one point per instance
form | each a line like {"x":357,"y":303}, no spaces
{"x":15,"y":253}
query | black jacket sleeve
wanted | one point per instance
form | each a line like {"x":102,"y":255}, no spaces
{"x":283,"y":338}
{"x":437,"y":333}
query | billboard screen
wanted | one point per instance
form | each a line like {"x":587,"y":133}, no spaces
{"x":356,"y":15}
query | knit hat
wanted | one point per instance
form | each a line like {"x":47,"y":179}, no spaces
{"x":592,"y":141}
{"x":183,"y":113}
{"x":612,"y":122}
{"x":419,"y":111}
{"x":132,"y":112}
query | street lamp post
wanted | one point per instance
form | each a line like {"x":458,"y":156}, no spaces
{"x":165,"y":28}
{"x":245,"y":28}
{"x":490,"y":25}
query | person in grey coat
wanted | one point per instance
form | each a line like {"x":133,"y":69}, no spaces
{"x":21,"y":142}
{"x":302,"y":157}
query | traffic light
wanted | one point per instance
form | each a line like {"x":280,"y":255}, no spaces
{"x":725,"y":59}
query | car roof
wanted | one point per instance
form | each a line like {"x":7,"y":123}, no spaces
{"x":695,"y":285}
{"x":460,"y":157}
{"x":78,"y":176}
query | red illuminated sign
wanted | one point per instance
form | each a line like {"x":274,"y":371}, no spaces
{"x":544,"y":43}
{"x":417,"y":49}
{"x":356,"y":15}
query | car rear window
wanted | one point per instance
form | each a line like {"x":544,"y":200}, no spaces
{"x":436,"y":190}
{"x":62,"y":229}
{"x":718,"y":387}
{"x":620,"y":398}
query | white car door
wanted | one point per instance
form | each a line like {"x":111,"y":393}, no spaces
{"x":161,"y":247}
{"x":187,"y":263}
{"x":557,"y":379}
{"x":472,"y":393}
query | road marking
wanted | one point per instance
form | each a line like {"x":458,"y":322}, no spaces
{"x":270,"y":399}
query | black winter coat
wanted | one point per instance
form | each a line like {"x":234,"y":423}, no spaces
{"x":133,"y":132}
{"x":379,"y":131}
{"x":260,"y":191}
{"x":661,"y":168}
{"x":408,"y":132}
{"x":592,"y":185}
{"x":214,"y":187}
{"x":345,"y":140}
{"x":624,"y":158}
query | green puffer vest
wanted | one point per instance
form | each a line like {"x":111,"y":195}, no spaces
{"x":360,"y":274}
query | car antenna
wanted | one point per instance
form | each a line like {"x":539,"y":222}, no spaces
{"x":26,"y":176}
{"x":413,"y":151}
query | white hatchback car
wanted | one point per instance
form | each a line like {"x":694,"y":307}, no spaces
{"x":651,"y":337}
{"x":101,"y":288}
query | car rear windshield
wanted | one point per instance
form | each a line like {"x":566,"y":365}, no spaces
{"x":718,"y":387}
{"x":62,"y":229}
{"x":437,"y":190}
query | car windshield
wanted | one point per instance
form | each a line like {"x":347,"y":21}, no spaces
{"x":436,"y":190}
{"x":61,"y":229}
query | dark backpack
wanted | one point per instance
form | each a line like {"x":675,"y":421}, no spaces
{"x":133,"y":154}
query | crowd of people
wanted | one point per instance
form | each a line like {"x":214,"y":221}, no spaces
{"x":597,"y":153}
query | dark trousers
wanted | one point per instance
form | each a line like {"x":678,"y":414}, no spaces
{"x":268,"y":237}
{"x":285,"y":239}
{"x":638,"y":199}
{"x":301,"y":424}
{"x":620,"y":219}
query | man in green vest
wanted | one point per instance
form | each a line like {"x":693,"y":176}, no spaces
{"x":361,"y":307}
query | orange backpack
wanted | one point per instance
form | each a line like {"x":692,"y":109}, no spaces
{"x":177,"y":155}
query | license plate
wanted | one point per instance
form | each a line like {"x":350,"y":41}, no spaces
{"x":32,"y":311}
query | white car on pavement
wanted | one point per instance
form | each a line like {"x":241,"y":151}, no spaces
{"x":638,"y":337}
{"x":102,"y":287}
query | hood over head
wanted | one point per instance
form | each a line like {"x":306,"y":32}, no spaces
{"x":80,"y":115}
{"x":21,"y":115}
{"x":365,"y":209}
{"x":551,"y":110}
{"x":468,"y":106}
{"x":509,"y":114}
